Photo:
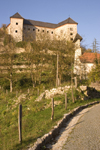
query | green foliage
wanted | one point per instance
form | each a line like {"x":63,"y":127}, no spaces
{"x":41,"y":65}
{"x":2,"y":33}
{"x":94,"y":75}
{"x":23,"y":82}
{"x":4,"y":83}
{"x":21,"y":44}
{"x":36,"y":118}
{"x":8,"y":39}
{"x":83,"y":82}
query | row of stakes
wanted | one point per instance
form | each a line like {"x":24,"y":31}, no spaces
{"x":20,"y":116}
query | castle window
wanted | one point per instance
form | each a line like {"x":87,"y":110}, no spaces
{"x":33,"y":29}
{"x":43,"y":30}
{"x":16,"y":23}
{"x":52,"y":32}
{"x":16,"y":31}
{"x":71,"y":29}
{"x":28,"y":28}
{"x":38,"y":30}
{"x":71,"y":39}
{"x":71,"y":33}
{"x":47,"y":31}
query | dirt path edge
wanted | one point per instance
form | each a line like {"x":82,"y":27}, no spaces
{"x":41,"y":142}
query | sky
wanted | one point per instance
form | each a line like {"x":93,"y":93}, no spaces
{"x":85,"y":12}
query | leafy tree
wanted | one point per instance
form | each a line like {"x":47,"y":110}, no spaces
{"x":7,"y":59}
{"x":10,"y":58}
{"x":94,"y":75}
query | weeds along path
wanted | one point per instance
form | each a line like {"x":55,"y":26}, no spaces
{"x":81,"y":132}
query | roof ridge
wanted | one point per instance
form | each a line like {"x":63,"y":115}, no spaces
{"x":67,"y":21}
{"x":40,"y":21}
{"x":17,"y":15}
{"x":45,"y":24}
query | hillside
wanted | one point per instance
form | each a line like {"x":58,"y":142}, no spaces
{"x":36,"y":115}
{"x":34,"y":62}
{"x":27,"y":69}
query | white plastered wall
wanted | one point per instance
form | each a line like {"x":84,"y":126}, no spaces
{"x":16,"y":29}
{"x":44,"y":33}
{"x":64,"y":31}
{"x":81,"y":68}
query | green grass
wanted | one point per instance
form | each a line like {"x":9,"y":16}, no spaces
{"x":36,"y":120}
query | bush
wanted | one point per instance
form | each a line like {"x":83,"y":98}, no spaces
{"x":4,"y":83}
{"x":2,"y":33}
{"x":23,"y":82}
{"x":21,"y":44}
{"x":8,"y":39}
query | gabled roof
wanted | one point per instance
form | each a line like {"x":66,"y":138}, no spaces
{"x":77,"y":37}
{"x":44,"y":24}
{"x":39,"y":23}
{"x":89,"y":57}
{"x":67,"y":21}
{"x":49,"y":25}
{"x":17,"y":15}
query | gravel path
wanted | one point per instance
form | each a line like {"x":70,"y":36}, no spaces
{"x":86,"y":134}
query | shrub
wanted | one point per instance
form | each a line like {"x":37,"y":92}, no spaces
{"x":8,"y":39}
{"x":21,"y":44}
{"x":23,"y":82}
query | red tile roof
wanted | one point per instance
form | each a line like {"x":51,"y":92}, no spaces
{"x":89,"y":57}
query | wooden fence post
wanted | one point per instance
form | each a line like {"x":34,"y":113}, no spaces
{"x":43,"y":88}
{"x":75,"y":78}
{"x":52,"y":102}
{"x":6,"y":91}
{"x":16,"y":93}
{"x":65,"y":100}
{"x":28,"y":90}
{"x":20,"y":123}
{"x":38,"y":91}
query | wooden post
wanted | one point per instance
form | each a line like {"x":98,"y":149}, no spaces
{"x":65,"y":100}
{"x":72,"y":90}
{"x":20,"y":123}
{"x":57,"y":70}
{"x":6,"y":91}
{"x":52,"y":102}
{"x":38,"y":91}
{"x":28,"y":90}
{"x":43,"y":88}
{"x":72,"y":95}
{"x":16,"y":93}
{"x":75,"y":78}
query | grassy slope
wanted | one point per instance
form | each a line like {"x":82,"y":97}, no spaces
{"x":36,"y":119}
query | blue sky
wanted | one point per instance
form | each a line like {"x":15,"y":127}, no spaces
{"x":85,"y":12}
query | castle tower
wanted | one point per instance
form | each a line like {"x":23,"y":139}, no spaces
{"x":15,"y":27}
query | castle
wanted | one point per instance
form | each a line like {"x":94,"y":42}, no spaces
{"x":20,"y":28}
